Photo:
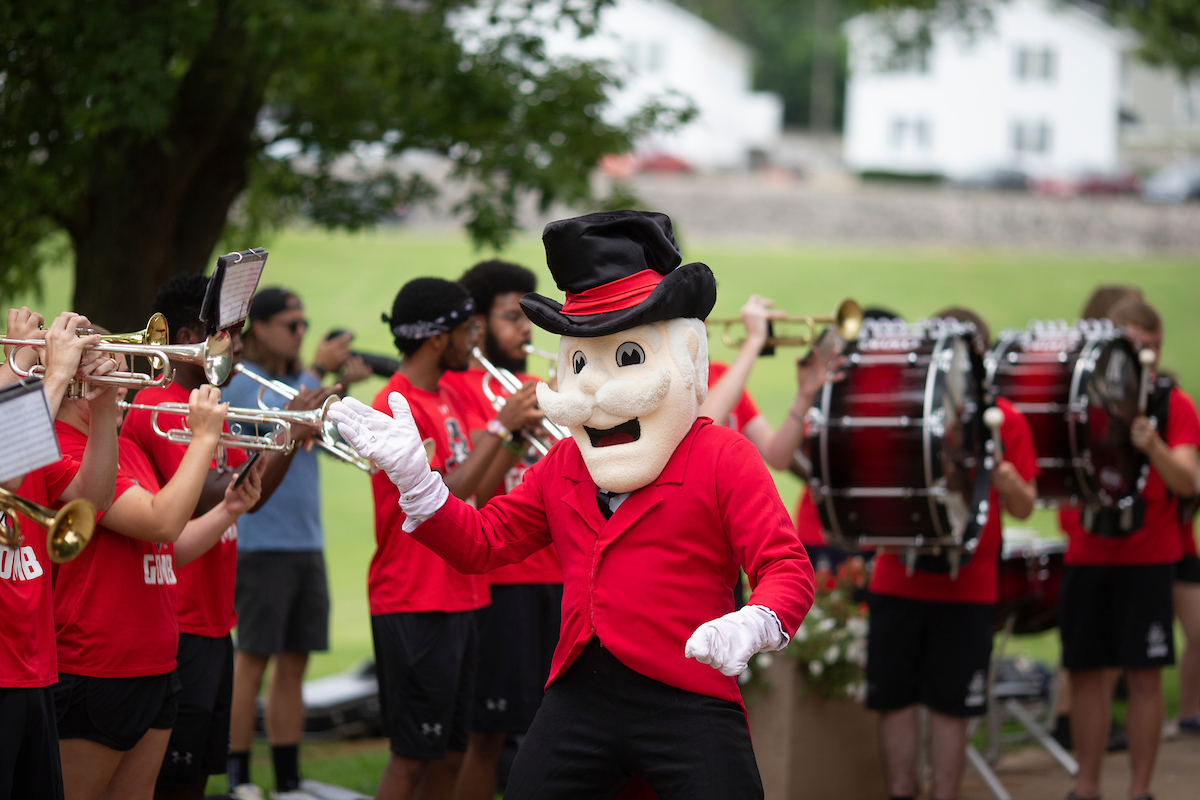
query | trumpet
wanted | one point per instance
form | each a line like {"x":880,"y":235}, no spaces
{"x":278,"y":439}
{"x":546,"y":354}
{"x":317,"y":418}
{"x":214,"y":355}
{"x":847,"y":320}
{"x":549,"y":433}
{"x":155,"y":333}
{"x":67,"y":531}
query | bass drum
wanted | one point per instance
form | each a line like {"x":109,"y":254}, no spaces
{"x":1029,"y":576}
{"x":1077,"y":386}
{"x":899,"y":444}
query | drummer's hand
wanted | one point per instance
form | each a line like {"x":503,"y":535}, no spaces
{"x":1142,"y":434}
{"x":812,"y":373}
{"x":1006,"y":479}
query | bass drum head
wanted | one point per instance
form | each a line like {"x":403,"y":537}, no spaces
{"x":957,"y":448}
{"x":1114,"y":464}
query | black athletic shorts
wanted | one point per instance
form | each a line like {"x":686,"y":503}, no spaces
{"x":1117,"y":616}
{"x":1187,"y":569}
{"x":115,"y":712}
{"x":935,"y":654}
{"x":517,"y":636}
{"x":29,"y":759}
{"x":282,"y":603}
{"x":603,"y":723}
{"x":200,"y":741}
{"x":425,"y":663}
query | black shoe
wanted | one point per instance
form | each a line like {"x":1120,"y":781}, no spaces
{"x":1117,"y":741}
{"x":1073,"y":796}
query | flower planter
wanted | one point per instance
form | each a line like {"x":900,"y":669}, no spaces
{"x":811,"y":747}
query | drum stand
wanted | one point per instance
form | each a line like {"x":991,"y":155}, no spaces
{"x":1011,"y":705}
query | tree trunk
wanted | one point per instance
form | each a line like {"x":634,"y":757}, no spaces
{"x":824,"y":70}
{"x":156,"y":208}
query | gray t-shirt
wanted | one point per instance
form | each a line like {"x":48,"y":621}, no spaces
{"x":291,"y":520}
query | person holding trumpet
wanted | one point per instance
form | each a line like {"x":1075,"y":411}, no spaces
{"x":115,"y":609}
{"x":30,"y":762}
{"x":422,"y":610}
{"x":199,"y":742}
{"x":518,"y":630}
{"x":282,"y":595}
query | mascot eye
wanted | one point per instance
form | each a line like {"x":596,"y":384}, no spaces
{"x":630,"y":353}
{"x":578,"y":362}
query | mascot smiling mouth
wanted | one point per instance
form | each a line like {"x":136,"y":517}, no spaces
{"x":624,"y":433}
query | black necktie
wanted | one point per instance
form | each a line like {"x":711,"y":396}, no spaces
{"x":603,"y":500}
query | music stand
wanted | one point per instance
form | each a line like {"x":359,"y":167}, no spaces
{"x":26,"y":429}
{"x":231,"y":288}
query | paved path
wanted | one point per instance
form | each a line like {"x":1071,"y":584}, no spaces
{"x":1031,"y":774}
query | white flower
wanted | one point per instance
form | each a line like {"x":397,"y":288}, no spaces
{"x":815,"y":613}
{"x":858,"y":627}
{"x":858,"y":691}
{"x":801,"y":634}
{"x":815,"y":668}
{"x":831,"y":654}
{"x":826,"y":625}
{"x":764,"y":660}
{"x":856,"y":653}
{"x":744,"y":677}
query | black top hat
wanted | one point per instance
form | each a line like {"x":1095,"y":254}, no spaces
{"x":619,"y":269}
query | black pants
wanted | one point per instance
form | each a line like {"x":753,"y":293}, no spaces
{"x":29,"y":761}
{"x":602,"y":723}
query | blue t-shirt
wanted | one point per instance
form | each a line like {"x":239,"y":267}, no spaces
{"x":291,"y":520}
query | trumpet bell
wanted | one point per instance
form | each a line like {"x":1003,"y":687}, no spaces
{"x":218,"y":358}
{"x":71,"y":531}
{"x":848,"y":319}
{"x":155,"y":333}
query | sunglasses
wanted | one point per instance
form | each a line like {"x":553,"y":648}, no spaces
{"x":296,"y":325}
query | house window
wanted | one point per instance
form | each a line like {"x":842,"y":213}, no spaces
{"x":646,"y":57}
{"x":1035,"y":64}
{"x":909,"y":58}
{"x":910,"y":133}
{"x":1032,"y":138}
{"x":1187,"y":102}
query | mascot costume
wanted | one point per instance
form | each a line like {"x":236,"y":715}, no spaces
{"x":652,"y":509}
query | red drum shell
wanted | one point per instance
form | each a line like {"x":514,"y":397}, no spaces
{"x":1027,"y":586}
{"x":1077,"y":388}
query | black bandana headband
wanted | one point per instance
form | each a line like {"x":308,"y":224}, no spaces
{"x":423,"y":329}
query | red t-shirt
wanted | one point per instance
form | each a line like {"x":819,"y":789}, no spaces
{"x":976,"y":581}
{"x":466,"y":392}
{"x":808,"y":520}
{"x":743,"y":412}
{"x":205,"y":586}
{"x":405,"y":575}
{"x":1158,"y":540}
{"x":27,"y":658}
{"x":115,"y":607}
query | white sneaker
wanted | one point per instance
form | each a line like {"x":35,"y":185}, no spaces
{"x":327,"y":791}
{"x":246,"y":791}
{"x":294,"y":794}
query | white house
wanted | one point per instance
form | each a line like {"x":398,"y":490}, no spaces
{"x":1040,"y":91}
{"x":656,"y":47}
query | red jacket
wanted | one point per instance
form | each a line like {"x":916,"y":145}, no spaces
{"x":664,"y":564}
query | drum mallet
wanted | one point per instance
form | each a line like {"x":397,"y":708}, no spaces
{"x":1146,"y":359}
{"x":994,"y":419}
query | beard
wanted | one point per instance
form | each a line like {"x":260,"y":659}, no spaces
{"x":498,"y":358}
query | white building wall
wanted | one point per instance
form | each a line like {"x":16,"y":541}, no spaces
{"x":971,"y":98}
{"x":657,"y":46}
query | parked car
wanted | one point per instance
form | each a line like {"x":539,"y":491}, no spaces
{"x":1089,"y":182}
{"x":1177,"y":183}
{"x":1007,"y":178}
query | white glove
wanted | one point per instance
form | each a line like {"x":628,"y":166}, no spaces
{"x":393,"y":444}
{"x":727,"y":643}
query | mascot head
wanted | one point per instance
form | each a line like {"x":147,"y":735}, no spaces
{"x":633,"y":358}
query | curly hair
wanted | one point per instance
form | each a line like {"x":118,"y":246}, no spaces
{"x":487,"y":279}
{"x":180,"y":301}
{"x":423,"y":300}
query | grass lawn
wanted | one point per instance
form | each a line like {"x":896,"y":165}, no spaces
{"x":347,"y":281}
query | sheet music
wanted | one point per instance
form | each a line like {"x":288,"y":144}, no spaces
{"x":237,"y":289}
{"x":26,"y":430}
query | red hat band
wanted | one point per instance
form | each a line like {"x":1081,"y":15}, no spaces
{"x":615,"y":295}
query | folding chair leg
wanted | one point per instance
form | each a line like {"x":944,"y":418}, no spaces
{"x":980,"y":765}
{"x":1044,"y":739}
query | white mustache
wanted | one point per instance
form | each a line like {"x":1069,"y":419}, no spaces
{"x":620,"y":398}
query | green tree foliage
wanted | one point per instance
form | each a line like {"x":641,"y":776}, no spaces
{"x":135,"y":127}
